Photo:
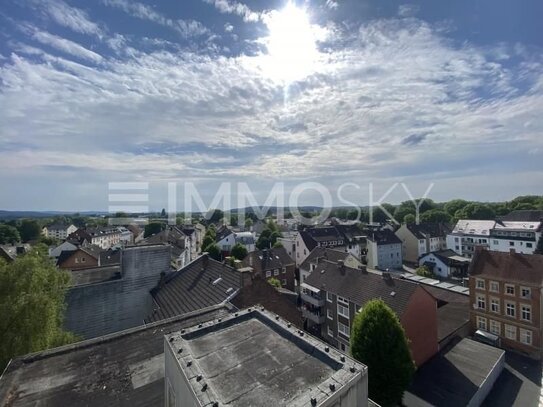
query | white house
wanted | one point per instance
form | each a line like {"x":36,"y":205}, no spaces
{"x":468,"y":234}
{"x":384,"y":250}
{"x":58,"y":230}
{"x":63,"y":247}
{"x":518,"y":235}
{"x":422,"y":238}
{"x":247,"y":239}
{"x":309,"y":238}
{"x":445,"y":263}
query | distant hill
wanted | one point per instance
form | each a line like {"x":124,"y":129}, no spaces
{"x":43,"y":214}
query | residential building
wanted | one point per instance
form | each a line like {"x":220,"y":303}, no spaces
{"x":254,"y":359}
{"x":58,"y":230}
{"x":445,"y":263}
{"x":81,"y":257}
{"x":384,"y":250}
{"x":103,"y":237}
{"x":65,"y":246}
{"x":247,"y":239}
{"x":319,"y":254}
{"x":334,"y":293}
{"x":9,"y":252}
{"x":227,"y":238}
{"x":111,"y":298}
{"x":311,"y":237}
{"x":137,"y":232}
{"x":272,"y":263}
{"x":288,"y":240}
{"x":127,"y":237}
{"x":180,"y":245}
{"x":421,"y":239}
{"x":505,"y":292}
{"x":468,"y":234}
{"x":519,"y":235}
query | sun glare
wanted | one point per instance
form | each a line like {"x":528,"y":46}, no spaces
{"x":291,"y":45}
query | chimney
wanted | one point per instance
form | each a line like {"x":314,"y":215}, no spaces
{"x":363,"y":269}
{"x":387,"y":276}
{"x":205,"y":260}
{"x":341,"y":266}
{"x":512,"y":251}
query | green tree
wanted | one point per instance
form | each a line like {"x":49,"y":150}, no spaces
{"x":476,"y":211}
{"x":32,"y":292}
{"x":214,"y":251}
{"x":211,"y":232}
{"x":208,"y":240}
{"x":378,"y":340}
{"x":455,"y":205}
{"x":435,"y":216}
{"x":409,"y":218}
{"x":152,"y":229}
{"x":29,"y":230}
{"x":248,"y":223}
{"x":277,"y":245}
{"x":9,"y":234}
{"x":274,"y":282}
{"x":424,"y":272}
{"x":239,"y":251}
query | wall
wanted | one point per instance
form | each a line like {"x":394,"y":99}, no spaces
{"x":420,"y":324}
{"x":440,"y":269}
{"x":410,"y":244}
{"x":176,"y":380}
{"x":389,"y":256}
{"x":502,"y":244}
{"x":79,"y":259}
{"x":102,"y":308}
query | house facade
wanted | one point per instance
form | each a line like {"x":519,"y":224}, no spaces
{"x":334,"y":293}
{"x":58,"y":230}
{"x":384,"y":250}
{"x":320,"y":236}
{"x":82,"y":257}
{"x":468,"y":234}
{"x":519,"y":235}
{"x":272,"y":263}
{"x":421,"y":239}
{"x":103,"y":237}
{"x":319,"y":254}
{"x":505,"y":293}
{"x":445,"y":263}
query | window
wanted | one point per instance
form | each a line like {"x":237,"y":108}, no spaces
{"x":525,"y":292}
{"x":276,"y":272}
{"x":480,"y":284}
{"x":526,"y":312}
{"x":343,"y":329}
{"x":329,"y":297}
{"x":511,"y":332}
{"x":83,"y":259}
{"x":283,"y":282}
{"x":495,"y":327}
{"x":342,"y":310}
{"x":510,"y":309}
{"x":268,"y":273}
{"x":529,"y":245}
{"x":481,"y":302}
{"x":342,"y":300}
{"x":330,"y":332}
{"x":526,"y":336}
{"x":495,"y":286}
{"x":284,"y":270}
{"x":495,"y":305}
{"x":496,"y":242}
{"x":510,"y":289}
{"x":329,"y":314}
{"x":511,"y":243}
{"x":481,"y":323}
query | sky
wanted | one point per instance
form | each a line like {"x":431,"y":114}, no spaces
{"x":358,"y":96}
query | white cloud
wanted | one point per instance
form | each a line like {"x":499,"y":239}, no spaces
{"x":70,"y":17}
{"x":64,"y":45}
{"x":332,"y":5}
{"x":187,"y":28}
{"x":233,"y":7}
{"x":228,"y":27}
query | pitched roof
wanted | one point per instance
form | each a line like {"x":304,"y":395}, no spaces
{"x":268,"y":259}
{"x":513,"y":267}
{"x":58,"y":226}
{"x":448,"y":257}
{"x":202,"y":283}
{"x":474,"y":227}
{"x":323,"y":253}
{"x":349,"y":232}
{"x":313,"y":235}
{"x":360,"y":287}
{"x":92,"y":250}
{"x":384,"y":237}
{"x":222,"y":232}
{"x":428,"y":230}
{"x":524,"y":216}
{"x":172,"y":235}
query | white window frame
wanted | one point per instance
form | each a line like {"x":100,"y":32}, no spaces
{"x":494,"y":286}
{"x":341,"y":306}
{"x":342,"y":300}
{"x":329,"y":297}
{"x":495,"y":327}
{"x":479,"y":284}
{"x":329,"y":314}
{"x":481,"y":299}
{"x":330,"y":332}
{"x":482,"y":323}
{"x":268,"y":273}
{"x":509,"y":286}
{"x":276,"y":272}
{"x":510,"y":332}
{"x":528,"y":311}
{"x":526,"y":336}
{"x":348,"y":334}
{"x":495,"y":301}
{"x":507,"y":309}
{"x":528,"y":292}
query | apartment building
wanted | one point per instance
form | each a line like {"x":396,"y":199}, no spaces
{"x":519,"y":235}
{"x":421,"y":239}
{"x":505,"y":293}
{"x":58,"y":230}
{"x":384,"y":250}
{"x":468,"y":234}
{"x":333,"y":294}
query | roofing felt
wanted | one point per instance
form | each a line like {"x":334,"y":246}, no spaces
{"x":202,"y":283}
{"x":474,"y":227}
{"x":121,"y":369}
{"x":428,"y":230}
{"x":268,"y":259}
{"x":360,"y":287}
{"x":252,"y":359}
{"x":384,"y":237}
{"x":333,"y":255}
{"x":512,"y":267}
{"x":452,"y":378}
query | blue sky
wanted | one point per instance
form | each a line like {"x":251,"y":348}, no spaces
{"x":206,"y":91}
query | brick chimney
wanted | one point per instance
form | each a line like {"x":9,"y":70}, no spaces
{"x":512,"y":251}
{"x":341,"y":266}
{"x":205,"y":260}
{"x":363,"y":269}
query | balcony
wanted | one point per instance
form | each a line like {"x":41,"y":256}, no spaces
{"x":314,"y":316}
{"x":311,"y":298}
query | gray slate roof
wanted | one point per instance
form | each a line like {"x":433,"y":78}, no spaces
{"x":194,"y":287}
{"x":360,"y":287}
{"x":325,"y":253}
{"x":428,"y":230}
{"x":269,"y":259}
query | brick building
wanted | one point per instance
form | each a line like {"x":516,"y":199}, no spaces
{"x":505,"y":293}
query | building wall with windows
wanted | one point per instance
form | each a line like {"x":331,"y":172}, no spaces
{"x":511,"y":310}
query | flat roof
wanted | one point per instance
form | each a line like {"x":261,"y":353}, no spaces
{"x":453,"y":377}
{"x":124,"y":368}
{"x":255,"y":358}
